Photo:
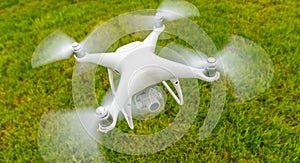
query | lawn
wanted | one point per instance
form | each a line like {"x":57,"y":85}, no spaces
{"x":264,"y":129}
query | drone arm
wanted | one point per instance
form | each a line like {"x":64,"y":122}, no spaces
{"x":180,"y":70}
{"x":152,"y":38}
{"x":118,"y":105}
{"x":202,"y":74}
{"x":110,"y":60}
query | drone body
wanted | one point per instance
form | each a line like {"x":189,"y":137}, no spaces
{"x":140,"y":68}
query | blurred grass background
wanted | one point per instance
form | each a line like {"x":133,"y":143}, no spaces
{"x":265,"y":129}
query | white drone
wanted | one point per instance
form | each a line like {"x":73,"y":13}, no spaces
{"x":136,"y":62}
{"x":140,"y":67}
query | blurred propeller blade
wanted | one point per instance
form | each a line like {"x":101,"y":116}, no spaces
{"x":218,"y":99}
{"x":57,"y":46}
{"x":169,"y":10}
{"x":247,"y":66}
{"x":107,"y":99}
{"x":181,"y":54}
{"x":137,"y":22}
{"x":172,"y":10}
{"x":63,"y":136}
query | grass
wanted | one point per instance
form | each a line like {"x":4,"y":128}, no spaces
{"x":265,"y":129}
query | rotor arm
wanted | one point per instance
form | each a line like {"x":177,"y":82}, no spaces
{"x":152,"y":38}
{"x":110,"y":60}
{"x":180,"y":70}
{"x":202,"y":74}
{"x":184,"y":71}
{"x":109,"y":114}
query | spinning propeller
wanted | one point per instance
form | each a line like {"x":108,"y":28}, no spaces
{"x":246,"y":65}
{"x":66,"y":135}
{"x":62,"y":137}
{"x":168,"y":10}
{"x":57,"y":46}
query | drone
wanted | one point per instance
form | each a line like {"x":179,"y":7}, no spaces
{"x":140,"y":68}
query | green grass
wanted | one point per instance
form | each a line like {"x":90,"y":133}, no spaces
{"x":265,"y":129}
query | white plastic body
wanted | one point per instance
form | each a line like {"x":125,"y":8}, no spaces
{"x":140,"y":68}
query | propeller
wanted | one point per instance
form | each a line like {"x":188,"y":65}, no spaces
{"x":62,"y":136}
{"x":57,"y":46}
{"x":169,"y":10}
{"x":172,"y":10}
{"x":246,"y":65}
{"x":71,"y":135}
